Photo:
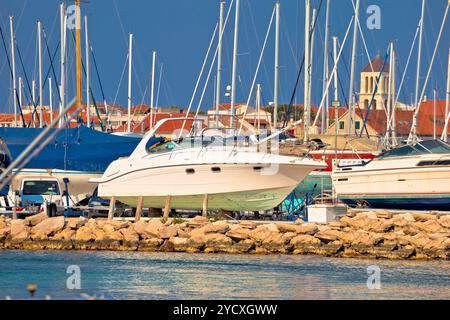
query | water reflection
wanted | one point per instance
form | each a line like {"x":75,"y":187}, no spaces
{"x":137,"y":275}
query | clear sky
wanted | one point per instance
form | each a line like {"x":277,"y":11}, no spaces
{"x":180,"y":31}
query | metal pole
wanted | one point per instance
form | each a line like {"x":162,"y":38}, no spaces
{"x":78,"y":51}
{"x":233,"y":77}
{"x":20,"y":91}
{"x":306,"y":116}
{"x":352,"y":71}
{"x":41,"y":109}
{"x":50,"y":97}
{"x":62,"y":67}
{"x":219,"y":63}
{"x":447,"y":101}
{"x":434,"y":113}
{"x":419,"y":59}
{"x":393,"y":123}
{"x":325,"y":70}
{"x":258,"y":106}
{"x":275,"y":82}
{"x":311,"y":57}
{"x":389,"y":106}
{"x":13,"y":61}
{"x":336,"y":93}
{"x":130,"y":54}
{"x":152,"y":92}
{"x":88,"y":77}
{"x":33,"y":96}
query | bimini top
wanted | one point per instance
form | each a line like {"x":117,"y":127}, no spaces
{"x":422,"y":147}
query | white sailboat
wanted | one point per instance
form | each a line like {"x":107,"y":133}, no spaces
{"x":409,"y":177}
{"x":234,"y":177}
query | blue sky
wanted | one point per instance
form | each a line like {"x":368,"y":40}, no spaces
{"x":180,"y":31}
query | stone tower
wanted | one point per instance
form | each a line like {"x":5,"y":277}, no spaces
{"x":368,"y":84}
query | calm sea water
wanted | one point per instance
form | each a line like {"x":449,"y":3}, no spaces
{"x":137,"y":275}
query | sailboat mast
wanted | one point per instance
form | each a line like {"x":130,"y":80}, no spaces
{"x":393,"y":117}
{"x":275,"y":82}
{"x":233,"y":76}
{"x":447,"y":101}
{"x":335,"y":78}
{"x":325,"y":70}
{"x":258,"y":106}
{"x":62,"y":67}
{"x":306,"y":116}
{"x":41,"y":109}
{"x":219,"y":62}
{"x":311,"y":56}
{"x":152,"y":92}
{"x":352,"y":70}
{"x":13,"y":61}
{"x":50,"y":97}
{"x":88,"y":78}
{"x":78,"y":51}
{"x":389,"y":106}
{"x":130,"y":55}
{"x":419,"y":59}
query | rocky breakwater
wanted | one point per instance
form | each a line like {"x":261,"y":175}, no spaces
{"x":368,"y":234}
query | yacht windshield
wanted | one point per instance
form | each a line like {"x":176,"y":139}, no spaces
{"x":423,"y":147}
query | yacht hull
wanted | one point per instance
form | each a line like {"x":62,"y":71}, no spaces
{"x":235,"y":187}
{"x":420,"y":188}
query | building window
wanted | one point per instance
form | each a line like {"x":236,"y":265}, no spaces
{"x":341,"y":125}
{"x":357,"y":125}
{"x":371,"y":84}
{"x":366,"y":104}
{"x":367,"y":85}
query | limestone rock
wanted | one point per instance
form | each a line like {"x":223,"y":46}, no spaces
{"x":213,"y":239}
{"x":114,"y":235}
{"x":419,"y":216}
{"x":305,"y":239}
{"x":244,"y":246}
{"x":328,"y":235}
{"x":384,"y":214}
{"x":167,"y":232}
{"x":129,"y":235}
{"x":151,"y":244}
{"x":139,"y":228}
{"x":287,"y":227}
{"x":445,"y":221}
{"x":152,"y":229}
{"x":247,"y":224}
{"x":84,"y":234}
{"x":179,"y":244}
{"x":430,"y":226}
{"x":118,"y":225}
{"x":76,"y":223}
{"x":49,"y":227}
{"x":239,"y":234}
{"x":19,"y":231}
{"x":35,"y":219}
{"x":197,"y":221}
{"x":4,"y":233}
{"x":65,"y":234}
{"x":306,"y":228}
{"x":216,"y":228}
{"x":298,"y":221}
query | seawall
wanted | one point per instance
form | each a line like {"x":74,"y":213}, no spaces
{"x":364,"y":235}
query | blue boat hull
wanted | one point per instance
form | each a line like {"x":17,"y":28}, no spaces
{"x":438,"y":202}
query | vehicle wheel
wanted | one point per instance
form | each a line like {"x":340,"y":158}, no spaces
{"x":51,"y":211}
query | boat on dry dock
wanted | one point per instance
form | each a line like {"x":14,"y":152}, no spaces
{"x":413,"y":176}
{"x":234,"y":177}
